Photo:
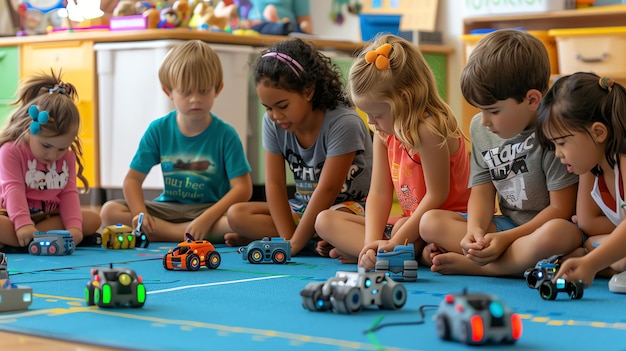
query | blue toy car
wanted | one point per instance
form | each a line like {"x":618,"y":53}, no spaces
{"x":52,"y":243}
{"x":540,"y":277}
{"x":475,"y":319}
{"x":399,"y":264}
{"x":267,"y":250}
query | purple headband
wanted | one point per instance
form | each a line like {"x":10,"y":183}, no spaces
{"x":293,"y":64}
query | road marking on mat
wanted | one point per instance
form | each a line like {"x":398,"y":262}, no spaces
{"x":217,"y":283}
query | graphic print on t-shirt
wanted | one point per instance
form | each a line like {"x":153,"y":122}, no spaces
{"x":186,"y":177}
{"x":40,"y":180}
{"x":507,"y":164}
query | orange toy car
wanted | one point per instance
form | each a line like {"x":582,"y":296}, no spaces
{"x":191,"y":254}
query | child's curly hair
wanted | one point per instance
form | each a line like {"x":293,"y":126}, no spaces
{"x":311,"y":69}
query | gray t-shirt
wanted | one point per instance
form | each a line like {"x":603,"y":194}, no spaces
{"x":522,"y":172}
{"x":342,"y":131}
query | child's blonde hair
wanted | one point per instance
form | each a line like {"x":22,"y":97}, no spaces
{"x":408,"y":85}
{"x":191,"y":66}
{"x":48,"y":93}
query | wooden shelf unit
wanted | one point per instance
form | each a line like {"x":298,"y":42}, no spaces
{"x":602,"y":16}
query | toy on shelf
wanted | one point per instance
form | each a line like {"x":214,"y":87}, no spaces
{"x":349,"y":292}
{"x":12,"y":297}
{"x":540,"y":277}
{"x":475,"y":319}
{"x":267,"y":250}
{"x":191,"y":254}
{"x":52,"y":243}
{"x":115,"y":287}
{"x":399,"y":264}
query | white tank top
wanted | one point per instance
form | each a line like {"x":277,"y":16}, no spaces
{"x":617,"y":216}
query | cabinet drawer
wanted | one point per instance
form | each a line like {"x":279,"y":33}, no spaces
{"x":9,"y":71}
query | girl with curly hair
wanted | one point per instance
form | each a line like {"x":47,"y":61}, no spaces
{"x":309,"y":125}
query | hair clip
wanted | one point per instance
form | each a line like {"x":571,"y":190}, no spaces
{"x":606,"y":83}
{"x":39,"y":118}
{"x":58,"y":88}
{"x":380,"y":56}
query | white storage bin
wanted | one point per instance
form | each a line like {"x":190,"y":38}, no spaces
{"x":601,"y":50}
{"x":130,"y":97}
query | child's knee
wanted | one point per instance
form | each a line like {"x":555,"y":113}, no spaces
{"x":323,"y":222}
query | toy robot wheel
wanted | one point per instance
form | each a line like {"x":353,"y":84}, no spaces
{"x":193,"y":262}
{"x":346,"y":300}
{"x":165,"y":263}
{"x":382,"y":266}
{"x":279,"y":256}
{"x":255,"y":256}
{"x":53,"y":249}
{"x":443,"y":327}
{"x":531,"y":278}
{"x":34,"y":249}
{"x":89,"y":295}
{"x":214,"y":260}
{"x":548,"y":291}
{"x":393,"y":296}
{"x":575,"y":290}
{"x":465,"y":333}
{"x":313,"y":299}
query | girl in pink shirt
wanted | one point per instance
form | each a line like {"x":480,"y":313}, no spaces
{"x":39,"y":152}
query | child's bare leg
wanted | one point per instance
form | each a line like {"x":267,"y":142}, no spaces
{"x":91,"y":222}
{"x":249,"y":221}
{"x":444,"y":229}
{"x":555,"y":237}
{"x":343,"y":230}
{"x":113,"y":213}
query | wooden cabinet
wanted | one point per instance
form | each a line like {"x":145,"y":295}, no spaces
{"x":601,"y":16}
{"x":9,"y":67}
{"x":76,"y":61}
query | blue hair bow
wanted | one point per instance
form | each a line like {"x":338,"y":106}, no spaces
{"x":39,"y":118}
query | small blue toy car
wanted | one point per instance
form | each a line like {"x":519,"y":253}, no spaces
{"x":399,"y":264}
{"x":475,"y":319}
{"x":52,"y":243}
{"x":540,"y":277}
{"x":267,"y":250}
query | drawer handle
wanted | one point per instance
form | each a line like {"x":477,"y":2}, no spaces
{"x":592,"y":59}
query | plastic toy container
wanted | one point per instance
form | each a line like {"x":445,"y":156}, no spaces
{"x":372,"y":25}
{"x":601,"y":50}
{"x":472,"y":39}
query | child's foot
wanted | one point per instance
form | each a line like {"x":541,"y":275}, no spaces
{"x":430,"y":251}
{"x":454,"y":263}
{"x":234,"y":239}
{"x":323,"y":248}
{"x":343,"y":258}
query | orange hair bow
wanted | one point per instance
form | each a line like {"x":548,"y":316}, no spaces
{"x":380,"y":56}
